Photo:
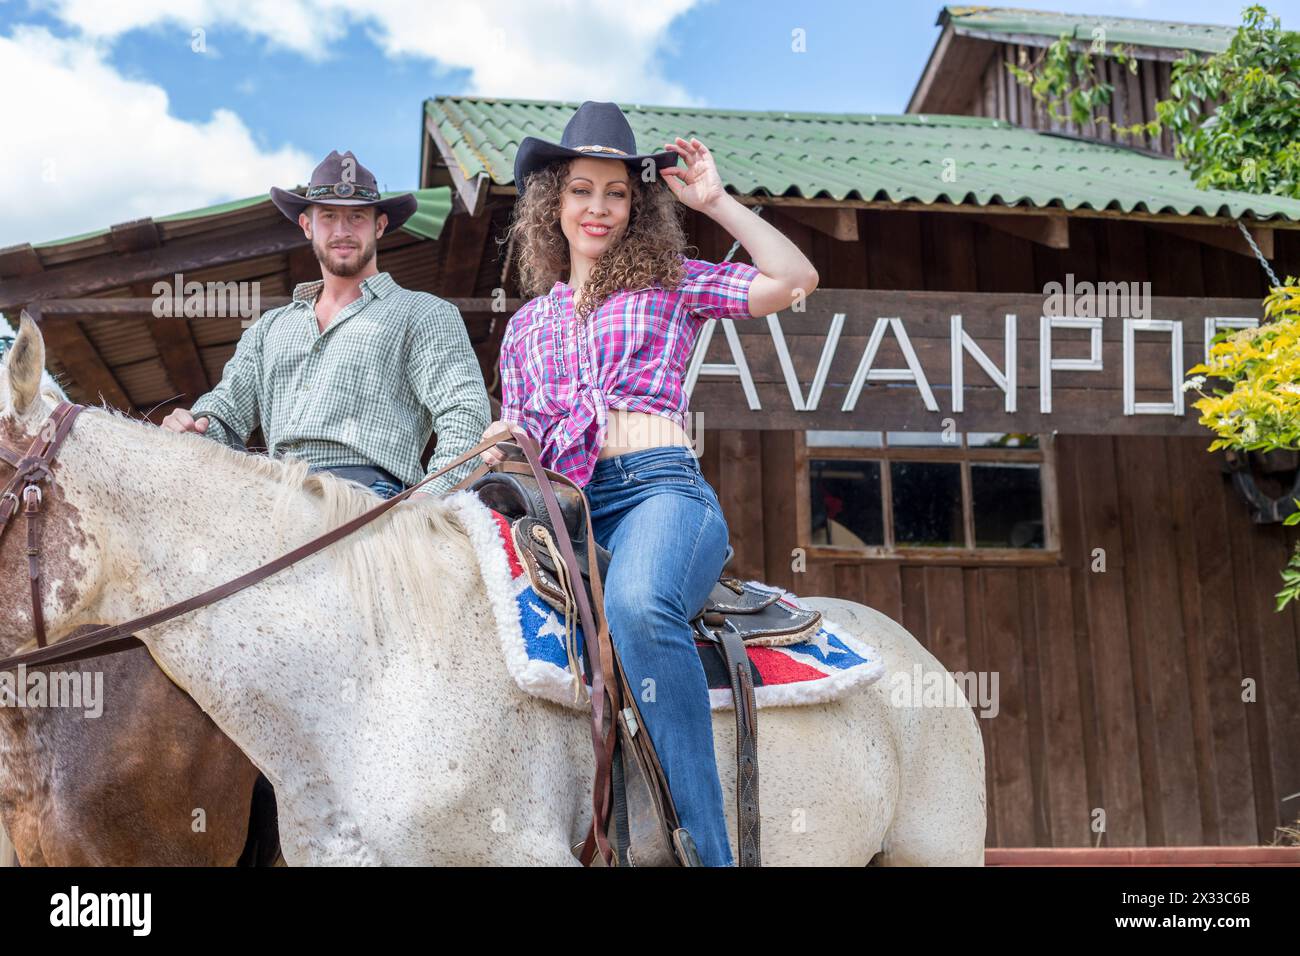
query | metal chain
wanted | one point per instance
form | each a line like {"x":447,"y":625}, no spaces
{"x":736,"y":245}
{"x":1273,"y":283}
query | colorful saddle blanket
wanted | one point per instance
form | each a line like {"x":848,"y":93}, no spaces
{"x":537,"y":643}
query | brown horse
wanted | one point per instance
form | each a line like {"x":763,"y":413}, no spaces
{"x":149,"y":780}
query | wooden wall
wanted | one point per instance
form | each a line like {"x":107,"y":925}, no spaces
{"x":998,"y":95}
{"x":1119,"y":690}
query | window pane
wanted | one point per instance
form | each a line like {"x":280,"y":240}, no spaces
{"x":927,"y":504}
{"x":924,"y":439}
{"x":1001,"y":440}
{"x":846,"y":503}
{"x":843,"y":439}
{"x":1008,"y":502}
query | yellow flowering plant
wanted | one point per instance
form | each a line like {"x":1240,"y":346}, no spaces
{"x":1260,"y":411}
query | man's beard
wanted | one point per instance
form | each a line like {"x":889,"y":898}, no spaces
{"x":332,"y":264}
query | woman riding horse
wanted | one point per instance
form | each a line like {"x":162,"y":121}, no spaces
{"x":593,"y":368}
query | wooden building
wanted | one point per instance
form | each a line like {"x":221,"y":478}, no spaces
{"x":1094,"y":556}
{"x":1027,"y":492}
{"x":966,"y":72}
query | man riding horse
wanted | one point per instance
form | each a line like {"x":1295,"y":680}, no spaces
{"x":355,"y":373}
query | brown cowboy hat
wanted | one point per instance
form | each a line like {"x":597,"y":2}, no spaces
{"x":340,"y":180}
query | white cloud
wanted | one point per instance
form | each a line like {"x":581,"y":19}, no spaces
{"x":97,"y":148}
{"x":296,"y":25}
{"x":540,"y":49}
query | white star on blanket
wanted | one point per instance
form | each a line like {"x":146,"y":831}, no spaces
{"x":551,"y":626}
{"x":822,"y":643}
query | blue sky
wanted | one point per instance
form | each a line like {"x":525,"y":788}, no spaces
{"x":126,"y":118}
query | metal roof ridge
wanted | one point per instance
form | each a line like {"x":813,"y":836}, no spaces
{"x":907,"y":119}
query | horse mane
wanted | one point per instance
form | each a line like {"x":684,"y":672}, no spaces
{"x":408,"y":562}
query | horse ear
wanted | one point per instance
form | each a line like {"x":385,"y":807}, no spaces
{"x":26,"y":363}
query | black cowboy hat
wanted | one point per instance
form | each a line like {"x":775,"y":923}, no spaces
{"x":340,"y":180}
{"x":595,"y":129}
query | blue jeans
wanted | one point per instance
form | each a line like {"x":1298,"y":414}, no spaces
{"x":380,"y":486}
{"x":664,"y":527}
{"x":386,"y":489}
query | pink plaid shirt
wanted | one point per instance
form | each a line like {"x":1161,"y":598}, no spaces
{"x":560,"y":377}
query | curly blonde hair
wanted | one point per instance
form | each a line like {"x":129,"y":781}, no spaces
{"x":650,"y":249}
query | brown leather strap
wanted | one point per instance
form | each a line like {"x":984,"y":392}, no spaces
{"x":32,"y":511}
{"x":33,"y":466}
{"x":605,"y":700}
{"x":30,"y":471}
{"x":742,"y":695}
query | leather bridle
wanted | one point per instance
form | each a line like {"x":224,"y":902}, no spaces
{"x":33,"y":468}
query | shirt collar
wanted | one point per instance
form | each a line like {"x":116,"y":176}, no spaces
{"x":378,"y":285}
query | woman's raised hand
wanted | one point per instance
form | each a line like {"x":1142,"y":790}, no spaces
{"x":698,"y":185}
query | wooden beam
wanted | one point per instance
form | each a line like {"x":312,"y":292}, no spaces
{"x":82,"y":360}
{"x":1050,"y":231}
{"x":967,"y":209}
{"x":20,"y":260}
{"x":463,"y":254}
{"x":835,"y":221}
{"x":174,"y":339}
{"x":1224,"y":237}
{"x":482,"y":304}
{"x":303,"y":266}
{"x":101,"y":272}
{"x":135,"y":307}
{"x":1079,"y":213}
{"x":1077,"y":45}
{"x":134,"y":236}
{"x":180,"y":356}
{"x":951,"y":80}
{"x":141,"y":307}
{"x":472,"y":194}
{"x":932,"y":67}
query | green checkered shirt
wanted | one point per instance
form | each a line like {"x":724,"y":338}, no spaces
{"x":393,"y":367}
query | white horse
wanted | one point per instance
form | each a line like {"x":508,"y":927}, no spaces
{"x":367,"y":683}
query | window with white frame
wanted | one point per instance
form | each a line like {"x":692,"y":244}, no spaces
{"x":887,"y":494}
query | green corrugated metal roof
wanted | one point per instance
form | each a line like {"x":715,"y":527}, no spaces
{"x":434,"y":206}
{"x":869,"y":156}
{"x":1201,"y":37}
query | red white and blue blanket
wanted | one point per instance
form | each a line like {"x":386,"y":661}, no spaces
{"x":533,"y":638}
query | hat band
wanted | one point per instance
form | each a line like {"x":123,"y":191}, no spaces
{"x":600,"y":149}
{"x":343,"y":191}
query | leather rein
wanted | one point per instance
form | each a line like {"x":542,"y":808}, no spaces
{"x":34,"y":468}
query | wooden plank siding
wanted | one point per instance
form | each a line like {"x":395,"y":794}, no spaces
{"x":997,"y":95}
{"x":1120,"y":667}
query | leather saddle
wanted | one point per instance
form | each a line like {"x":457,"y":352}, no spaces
{"x":735,"y":614}
{"x":754,"y":615}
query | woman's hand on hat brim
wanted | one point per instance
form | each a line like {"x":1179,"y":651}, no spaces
{"x":698,"y":184}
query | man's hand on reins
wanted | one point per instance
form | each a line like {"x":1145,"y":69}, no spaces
{"x":180,"y":421}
